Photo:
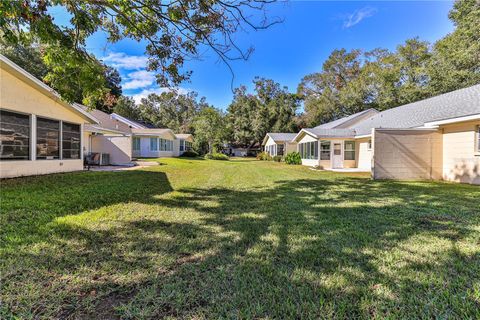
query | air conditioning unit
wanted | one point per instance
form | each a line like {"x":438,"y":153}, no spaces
{"x":104,"y":159}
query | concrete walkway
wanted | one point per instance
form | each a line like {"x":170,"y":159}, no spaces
{"x":134,"y":166}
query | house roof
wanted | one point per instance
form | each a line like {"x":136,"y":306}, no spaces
{"x":279,"y":136}
{"x":105,"y":122}
{"x":152,"y":132}
{"x":133,"y":124}
{"x":348,"y":121}
{"x":455,"y":104}
{"x":27,"y":77}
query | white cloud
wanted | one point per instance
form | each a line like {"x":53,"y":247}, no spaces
{"x":357,"y":16}
{"x":138,"y":79}
{"x":145,"y":92}
{"x":121,"y":60}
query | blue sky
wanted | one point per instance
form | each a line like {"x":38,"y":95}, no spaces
{"x":291,"y":50}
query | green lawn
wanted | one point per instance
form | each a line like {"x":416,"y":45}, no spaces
{"x":239,"y":239}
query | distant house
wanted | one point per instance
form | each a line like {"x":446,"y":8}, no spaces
{"x":125,"y":139}
{"x":39,"y":132}
{"x":279,"y":144}
{"x":436,"y":138}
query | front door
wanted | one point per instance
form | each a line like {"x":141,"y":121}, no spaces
{"x":337,"y":159}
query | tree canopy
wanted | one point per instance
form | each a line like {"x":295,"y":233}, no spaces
{"x":271,"y":108}
{"x":174,"y":31}
{"x":352,"y":81}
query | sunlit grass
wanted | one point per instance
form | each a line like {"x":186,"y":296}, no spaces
{"x":238,"y":239}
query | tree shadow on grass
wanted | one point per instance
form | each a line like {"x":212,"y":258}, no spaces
{"x":29,"y":204}
{"x":307,"y":248}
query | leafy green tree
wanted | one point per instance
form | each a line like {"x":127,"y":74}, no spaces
{"x":172,"y":110}
{"x":271,"y":108}
{"x":322,"y":91}
{"x":38,"y":60}
{"x":127,"y":108}
{"x":173,"y":31}
{"x":456,"y":58}
{"x":240,"y":116}
{"x":210,"y":129}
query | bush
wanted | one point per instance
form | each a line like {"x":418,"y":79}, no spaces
{"x":189,"y":154}
{"x":216,"y":156}
{"x":293,"y":158}
{"x":264,"y":156}
{"x":277,"y":158}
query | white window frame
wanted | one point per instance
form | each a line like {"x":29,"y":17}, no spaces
{"x":477,"y":148}
{"x":154,"y":144}
{"x":345,"y":150}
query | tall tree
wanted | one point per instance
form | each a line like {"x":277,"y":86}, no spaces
{"x":127,"y":108}
{"x":271,"y":108}
{"x":173,"y":30}
{"x":322,"y":91}
{"x":210,"y":129}
{"x":456,"y":57}
{"x":172,"y":110}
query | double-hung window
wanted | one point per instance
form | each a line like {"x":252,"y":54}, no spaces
{"x":14,"y":136}
{"x":325,"y":150}
{"x":182,"y":145}
{"x":349,"y":150}
{"x":153,"y":144}
{"x":70,"y":140}
{"x":48,"y":139}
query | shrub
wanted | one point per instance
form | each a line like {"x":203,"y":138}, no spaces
{"x":264,"y":156}
{"x":189,"y":154}
{"x":277,"y":158}
{"x":293,"y":158}
{"x":216,"y":156}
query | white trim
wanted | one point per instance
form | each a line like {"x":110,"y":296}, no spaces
{"x":452,"y":120}
{"x":306,"y":132}
{"x":407,"y":129}
{"x":129,"y":122}
{"x":363,"y":136}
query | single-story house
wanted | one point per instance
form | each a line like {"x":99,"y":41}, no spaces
{"x":435,"y":138}
{"x":39,"y":132}
{"x":125,"y":139}
{"x":279,"y":144}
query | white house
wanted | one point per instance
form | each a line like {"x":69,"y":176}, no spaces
{"x":279,"y":144}
{"x":435,"y":138}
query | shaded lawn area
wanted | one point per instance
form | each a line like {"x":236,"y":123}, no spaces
{"x":237,"y":239}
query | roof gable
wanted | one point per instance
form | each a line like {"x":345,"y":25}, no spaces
{"x":32,"y":81}
{"x":348,"y":121}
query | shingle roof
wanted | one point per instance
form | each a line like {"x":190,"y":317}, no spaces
{"x":454,"y":104}
{"x":331,"y":133}
{"x":280,"y":136}
{"x":343,"y":122}
{"x":105,"y":121}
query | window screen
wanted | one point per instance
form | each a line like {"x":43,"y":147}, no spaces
{"x":70,"y":141}
{"x":48,"y":138}
{"x":14,"y":136}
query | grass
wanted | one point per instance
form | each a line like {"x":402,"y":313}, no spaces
{"x":239,"y":239}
